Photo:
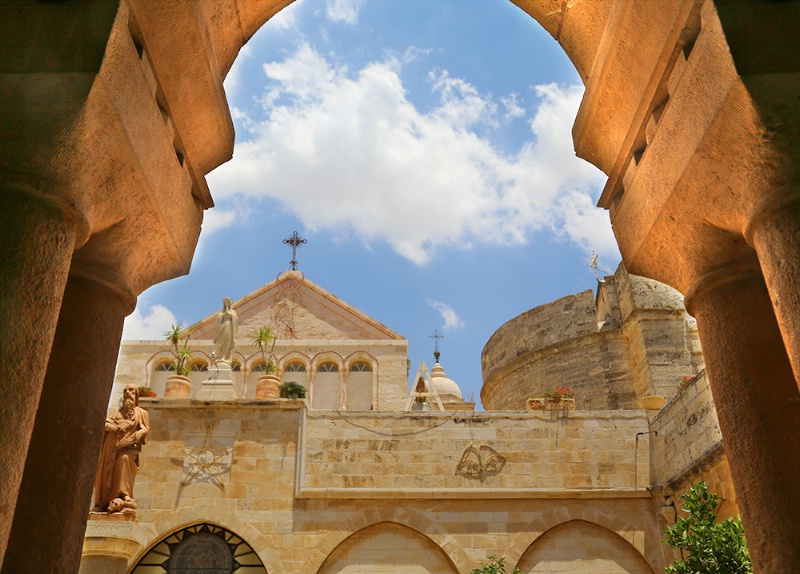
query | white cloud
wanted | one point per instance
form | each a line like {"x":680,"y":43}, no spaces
{"x":451,"y":319}
{"x":234,"y":78}
{"x":343,"y":10}
{"x":215,"y":219}
{"x":513,"y":108}
{"x":286,"y":19}
{"x":348,"y":152}
{"x":148,"y":325}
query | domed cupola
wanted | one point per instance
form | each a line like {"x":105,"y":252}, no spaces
{"x":447,"y":388}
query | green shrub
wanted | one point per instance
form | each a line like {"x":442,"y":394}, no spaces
{"x":292,"y":390}
{"x":707,"y":546}
{"x":494,"y":566}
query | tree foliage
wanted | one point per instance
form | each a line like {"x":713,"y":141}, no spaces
{"x":494,"y":566}
{"x":707,"y":546}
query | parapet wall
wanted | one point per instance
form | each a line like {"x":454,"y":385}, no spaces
{"x":556,"y":344}
{"x":688,"y":432}
{"x":452,"y":455}
{"x":633,"y":339}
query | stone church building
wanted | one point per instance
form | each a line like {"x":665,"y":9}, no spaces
{"x":357,"y":479}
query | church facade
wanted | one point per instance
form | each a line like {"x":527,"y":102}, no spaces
{"x":355,"y":478}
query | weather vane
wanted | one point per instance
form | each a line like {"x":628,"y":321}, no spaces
{"x":295,"y":241}
{"x":436,"y":336}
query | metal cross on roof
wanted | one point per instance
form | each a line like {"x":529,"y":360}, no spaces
{"x":295,"y":241}
{"x":436,"y":336}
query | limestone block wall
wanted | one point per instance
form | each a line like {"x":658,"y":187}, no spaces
{"x":556,"y":344}
{"x":662,"y":340}
{"x":689,"y":448}
{"x":631,"y":340}
{"x":396,"y":455}
{"x":313,"y":492}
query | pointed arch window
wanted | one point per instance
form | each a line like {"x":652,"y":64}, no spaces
{"x":361,"y":367}
{"x":328,"y":367}
{"x":295,"y":367}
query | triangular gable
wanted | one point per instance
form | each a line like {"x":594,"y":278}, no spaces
{"x":296,"y":308}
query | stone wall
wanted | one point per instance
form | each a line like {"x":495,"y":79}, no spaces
{"x":312,"y":491}
{"x":633,"y":339}
{"x":399,"y":455}
{"x":688,"y":447}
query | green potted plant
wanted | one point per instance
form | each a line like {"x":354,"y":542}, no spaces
{"x":146,"y":392}
{"x":268,"y":382}
{"x":292,"y":390}
{"x":178,"y":384}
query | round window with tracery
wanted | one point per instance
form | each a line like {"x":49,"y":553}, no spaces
{"x":201,"y":549}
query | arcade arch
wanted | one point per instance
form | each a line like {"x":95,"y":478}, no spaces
{"x":387,"y":543}
{"x":579,"y":546}
{"x":118,"y":121}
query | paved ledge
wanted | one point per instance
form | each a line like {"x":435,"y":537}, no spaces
{"x":469,"y":493}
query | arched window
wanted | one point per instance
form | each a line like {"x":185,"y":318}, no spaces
{"x":165,"y":365}
{"x":295,"y":367}
{"x":236,"y":365}
{"x":198,"y":365}
{"x":201,"y":548}
{"x":259,"y":366}
{"x":361,"y":367}
{"x":328,"y":367}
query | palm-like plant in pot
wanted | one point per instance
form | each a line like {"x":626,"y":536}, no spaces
{"x":178,"y":384}
{"x":267,"y":386}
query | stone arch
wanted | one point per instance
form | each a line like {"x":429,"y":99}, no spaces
{"x":395,"y":544}
{"x":609,"y":520}
{"x":360,"y":387}
{"x":400,"y":516}
{"x":326,"y":389}
{"x":179,"y":519}
{"x":591,"y":543}
{"x":580,"y":36}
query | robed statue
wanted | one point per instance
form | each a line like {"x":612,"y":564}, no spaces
{"x":126,"y":430}
{"x":227,"y":324}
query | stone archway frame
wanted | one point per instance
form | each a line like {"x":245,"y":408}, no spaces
{"x":403,"y":517}
{"x":172,"y":522}
{"x":611,"y":521}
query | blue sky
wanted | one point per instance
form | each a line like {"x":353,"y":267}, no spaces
{"x":423,"y":149}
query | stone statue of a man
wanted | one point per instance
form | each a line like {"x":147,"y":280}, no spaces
{"x":227,"y":324}
{"x":126,"y":431}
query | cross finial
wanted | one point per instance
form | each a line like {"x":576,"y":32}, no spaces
{"x":436,"y":336}
{"x":295,"y":241}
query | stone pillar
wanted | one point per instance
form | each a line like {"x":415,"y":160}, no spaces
{"x":109,"y":545}
{"x":774,"y":232}
{"x":758,"y":404}
{"x":54,"y":498}
{"x":39,"y":231}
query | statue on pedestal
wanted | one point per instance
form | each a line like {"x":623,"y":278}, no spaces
{"x":227,"y":325}
{"x":126,"y":431}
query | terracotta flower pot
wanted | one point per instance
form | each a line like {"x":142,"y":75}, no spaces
{"x":178,"y":387}
{"x":267,"y":387}
{"x":652,"y":402}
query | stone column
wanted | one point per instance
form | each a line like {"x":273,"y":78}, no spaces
{"x":758,"y":404}
{"x":774,"y":232}
{"x":39,"y":230}
{"x":54,"y":498}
